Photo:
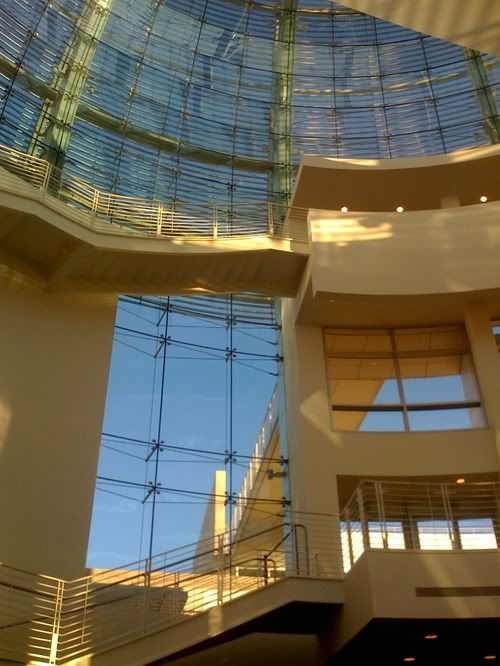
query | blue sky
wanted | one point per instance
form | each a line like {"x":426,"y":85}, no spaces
{"x":195,"y":416}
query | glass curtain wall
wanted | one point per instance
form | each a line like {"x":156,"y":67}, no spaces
{"x":216,"y":100}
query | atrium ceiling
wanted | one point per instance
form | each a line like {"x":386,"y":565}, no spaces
{"x":217,"y":100}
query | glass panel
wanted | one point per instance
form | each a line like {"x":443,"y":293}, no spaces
{"x":439,"y":379}
{"x":496,"y":332}
{"x":447,"y":419}
{"x":477,"y":533}
{"x":434,"y":535}
{"x":368,"y":421}
{"x":355,"y":381}
{"x":393,"y":534}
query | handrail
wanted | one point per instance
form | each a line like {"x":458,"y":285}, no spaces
{"x":416,"y":515}
{"x":53,"y":620}
{"x":90,"y":615}
{"x":133,"y":216}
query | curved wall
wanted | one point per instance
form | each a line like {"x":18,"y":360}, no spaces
{"x":446,"y":251}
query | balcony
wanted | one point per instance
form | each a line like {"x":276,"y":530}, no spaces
{"x":400,"y":550}
{"x":65,"y":234}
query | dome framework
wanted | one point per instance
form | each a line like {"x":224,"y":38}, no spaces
{"x":217,"y":100}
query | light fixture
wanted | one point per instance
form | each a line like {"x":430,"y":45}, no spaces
{"x":344,"y":209}
{"x":490,"y":657}
{"x":430,"y":637}
{"x":460,"y":480}
{"x":400,"y":209}
{"x":483,"y":199}
{"x":409,"y":659}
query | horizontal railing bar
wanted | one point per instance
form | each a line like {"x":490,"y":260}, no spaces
{"x":166,"y":219}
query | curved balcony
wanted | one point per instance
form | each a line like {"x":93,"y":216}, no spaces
{"x":410,"y":240}
{"x":65,"y":234}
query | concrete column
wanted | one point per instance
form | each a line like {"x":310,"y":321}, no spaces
{"x":312,"y":459}
{"x":54,"y":360}
{"x":487,"y":364}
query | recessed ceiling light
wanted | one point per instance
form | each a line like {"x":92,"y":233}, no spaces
{"x":460,"y":480}
{"x":430,"y":637}
{"x":483,"y":199}
{"x":344,"y":209}
{"x":409,"y":659}
{"x":399,"y":209}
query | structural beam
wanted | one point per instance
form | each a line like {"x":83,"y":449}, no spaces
{"x":57,"y":116}
{"x":282,"y":109}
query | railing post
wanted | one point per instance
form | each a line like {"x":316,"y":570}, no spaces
{"x":85,"y":610}
{"x":220,"y":569}
{"x":172,"y":218}
{"x":299,"y":569}
{"x":379,"y":496}
{"x":108,"y":207}
{"x":95,"y":202}
{"x":450,"y":521}
{"x":56,"y":622}
{"x":147,"y":590}
{"x":46,"y":177}
{"x":362,"y":519}
{"x":159,"y":220}
{"x":270,"y":218}
{"x":176,"y":592}
{"x":349,"y":535}
{"x":215,"y":223}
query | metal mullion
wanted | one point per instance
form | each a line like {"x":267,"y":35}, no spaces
{"x":435,"y":406}
{"x":388,"y":146}
{"x":434,"y":98}
{"x":367,"y":408}
{"x":399,"y":379}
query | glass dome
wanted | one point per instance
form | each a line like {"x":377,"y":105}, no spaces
{"x":217,"y":100}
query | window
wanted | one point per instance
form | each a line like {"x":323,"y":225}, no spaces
{"x":406,"y":379}
{"x":495,"y":328}
{"x":477,"y":533}
{"x":435,"y":535}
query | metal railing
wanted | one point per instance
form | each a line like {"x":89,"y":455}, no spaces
{"x":54,"y":621}
{"x":420,"y":516}
{"x":132,"y":216}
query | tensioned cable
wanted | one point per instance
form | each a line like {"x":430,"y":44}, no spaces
{"x":195,"y":345}
{"x":105,"y":480}
{"x":110,"y":492}
{"x":186,"y":449}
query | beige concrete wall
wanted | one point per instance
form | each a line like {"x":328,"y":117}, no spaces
{"x":487,"y":363}
{"x":318,"y":454}
{"x":443,"y":251}
{"x":384,"y":585}
{"x":54,"y":362}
